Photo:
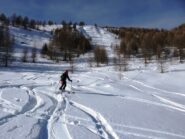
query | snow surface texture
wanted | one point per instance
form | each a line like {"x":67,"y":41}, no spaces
{"x":99,"y":36}
{"x":138,"y":104}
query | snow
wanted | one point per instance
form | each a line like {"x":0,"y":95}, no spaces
{"x":137,"y":104}
{"x":100,"y":37}
{"x":28,"y":39}
{"x":49,"y":28}
{"x":106,"y":128}
{"x":96,"y":34}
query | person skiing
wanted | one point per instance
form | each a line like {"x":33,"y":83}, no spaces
{"x":63,"y":79}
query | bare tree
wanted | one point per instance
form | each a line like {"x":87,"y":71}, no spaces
{"x":100,"y":56}
{"x":34,"y":54}
{"x":44,"y":50}
{"x":72,"y":64}
{"x":90,"y":59}
{"x":6,"y":49}
{"x":179,"y":42}
{"x":162,"y":62}
{"x":125,"y":63}
{"x":25,"y":55}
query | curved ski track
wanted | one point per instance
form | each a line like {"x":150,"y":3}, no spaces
{"x":48,"y":109}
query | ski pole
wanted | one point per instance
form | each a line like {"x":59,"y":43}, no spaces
{"x":71,"y":86}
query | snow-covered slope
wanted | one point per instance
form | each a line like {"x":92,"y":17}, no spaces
{"x":49,"y":28}
{"x":28,"y":39}
{"x":99,"y":36}
{"x":138,"y":104}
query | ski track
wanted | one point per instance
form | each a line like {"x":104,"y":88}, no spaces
{"x":144,"y":131}
{"x":152,"y":91}
{"x":154,"y":88}
{"x":108,"y":132}
{"x":167,"y":104}
{"x":17,"y":110}
{"x":58,"y":113}
{"x":166,"y":101}
{"x":50,"y":108}
{"x":39,"y":106}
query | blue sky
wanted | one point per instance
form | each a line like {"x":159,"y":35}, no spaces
{"x":130,"y":13}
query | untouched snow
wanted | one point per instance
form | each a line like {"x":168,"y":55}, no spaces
{"x":49,"y":28}
{"x":29,"y":38}
{"x":139,"y":104}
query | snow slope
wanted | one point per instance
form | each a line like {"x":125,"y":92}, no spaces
{"x":138,"y":104}
{"x":28,"y":39}
{"x":99,"y":36}
{"x":49,"y":28}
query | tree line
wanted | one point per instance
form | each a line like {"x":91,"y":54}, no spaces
{"x":67,"y":43}
{"x":26,"y":22}
{"x":150,"y":44}
{"x":6,"y":49}
{"x":67,"y":40}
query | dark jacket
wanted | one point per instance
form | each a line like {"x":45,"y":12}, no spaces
{"x":64,"y":77}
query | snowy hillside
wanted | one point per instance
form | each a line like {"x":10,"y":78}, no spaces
{"x":99,"y":36}
{"x":49,"y":28}
{"x":139,"y":104}
{"x":28,"y":39}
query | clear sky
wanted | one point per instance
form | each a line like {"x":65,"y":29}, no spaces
{"x":132,"y":13}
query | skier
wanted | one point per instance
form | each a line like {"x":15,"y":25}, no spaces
{"x":63,"y":77}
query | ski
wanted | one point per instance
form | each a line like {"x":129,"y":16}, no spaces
{"x":61,"y":92}
{"x":70,"y":92}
